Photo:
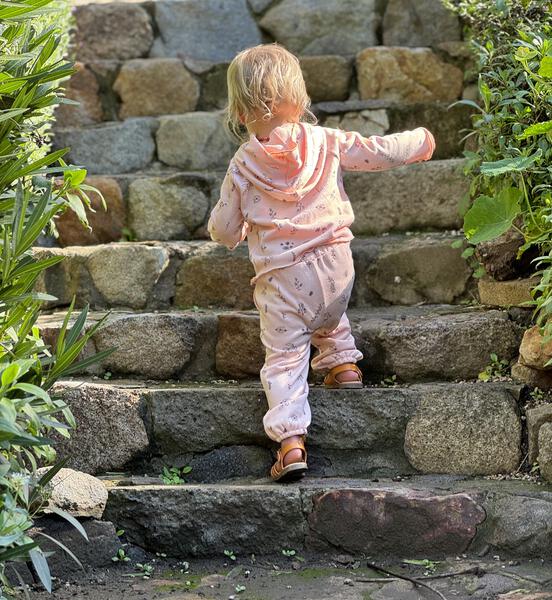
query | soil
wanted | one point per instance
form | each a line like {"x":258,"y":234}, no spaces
{"x":302,"y":578}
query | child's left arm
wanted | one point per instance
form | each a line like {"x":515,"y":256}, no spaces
{"x":377,"y":153}
{"x":226,"y":223}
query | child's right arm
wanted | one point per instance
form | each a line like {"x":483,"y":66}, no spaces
{"x":377,"y":153}
{"x":226,"y":223}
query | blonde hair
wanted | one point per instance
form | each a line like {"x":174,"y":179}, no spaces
{"x":261,"y":78}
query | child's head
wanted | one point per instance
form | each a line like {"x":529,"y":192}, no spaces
{"x":265,"y":81}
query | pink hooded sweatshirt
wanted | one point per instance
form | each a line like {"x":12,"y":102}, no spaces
{"x":286,"y":195}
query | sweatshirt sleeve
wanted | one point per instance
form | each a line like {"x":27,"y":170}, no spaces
{"x":377,"y":153}
{"x":226,"y":223}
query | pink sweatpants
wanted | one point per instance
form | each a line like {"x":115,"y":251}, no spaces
{"x":299,"y":305}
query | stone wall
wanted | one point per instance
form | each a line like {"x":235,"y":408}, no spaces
{"x":151,"y":83}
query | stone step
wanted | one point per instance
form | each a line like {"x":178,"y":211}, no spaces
{"x":161,"y":205}
{"x":389,"y":270}
{"x":413,"y":343}
{"x":454,"y":428}
{"x":419,"y":517}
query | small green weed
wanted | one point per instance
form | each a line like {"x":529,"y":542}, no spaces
{"x":120,"y":556}
{"x":537,"y":395}
{"x":389,"y":381}
{"x":128,"y":235}
{"x":230,"y":554}
{"x":292,"y":554}
{"x":174,"y":475}
{"x":497,"y":368}
{"x":428,"y":565}
{"x":144,"y":570}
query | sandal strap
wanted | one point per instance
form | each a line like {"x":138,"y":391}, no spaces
{"x":284,"y":451}
{"x":330,"y":377}
{"x":287,"y":448}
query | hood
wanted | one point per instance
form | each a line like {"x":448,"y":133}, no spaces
{"x":288,"y":165}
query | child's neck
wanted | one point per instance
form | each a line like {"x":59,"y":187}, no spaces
{"x":263,"y":129}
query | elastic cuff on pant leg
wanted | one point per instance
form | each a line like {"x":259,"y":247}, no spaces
{"x":291,"y":434}
{"x":339,"y":358}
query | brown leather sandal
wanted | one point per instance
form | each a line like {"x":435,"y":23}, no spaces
{"x":330,"y":380}
{"x":294,"y":470}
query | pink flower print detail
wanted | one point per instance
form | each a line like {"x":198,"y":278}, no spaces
{"x":293,"y":230}
{"x":299,"y":206}
{"x":290,"y":347}
{"x":287,"y":245}
{"x":301,"y":309}
{"x":331,"y":283}
{"x":297,"y":283}
{"x":281,"y":330}
{"x":333,"y":253}
{"x":272,"y":213}
{"x":343,"y":299}
{"x":256,"y":199}
{"x":317,"y":312}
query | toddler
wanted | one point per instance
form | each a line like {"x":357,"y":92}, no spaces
{"x":284,"y":192}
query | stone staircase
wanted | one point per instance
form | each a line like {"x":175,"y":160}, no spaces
{"x":399,"y":468}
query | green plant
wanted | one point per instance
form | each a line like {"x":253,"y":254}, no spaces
{"x":537,"y":394}
{"x":145,"y":570}
{"x":240,"y":588}
{"x":510,"y":170}
{"x":128,"y":235}
{"x":121,"y":556}
{"x":497,"y":368}
{"x":230,"y":554}
{"x":31,"y":68}
{"x":289,"y":553}
{"x":428,"y":565}
{"x":174,"y":475}
{"x":389,"y":381}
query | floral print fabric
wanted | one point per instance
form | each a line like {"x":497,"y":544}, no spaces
{"x":286,"y":195}
{"x":301,"y":305}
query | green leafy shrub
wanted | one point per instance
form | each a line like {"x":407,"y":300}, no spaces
{"x":31,"y":67}
{"x":511,"y":169}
